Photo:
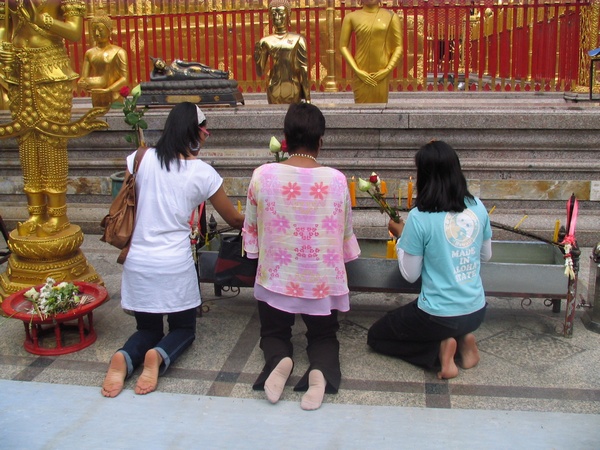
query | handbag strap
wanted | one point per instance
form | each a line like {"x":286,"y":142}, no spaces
{"x":141,"y":151}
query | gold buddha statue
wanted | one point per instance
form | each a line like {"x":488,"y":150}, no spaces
{"x":104,"y":71}
{"x":378,"y":49}
{"x":288,"y":78}
{"x":37,"y":71}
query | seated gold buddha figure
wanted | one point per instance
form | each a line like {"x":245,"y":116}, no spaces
{"x":183,"y":70}
{"x":104,"y":71}
{"x":288,"y":78}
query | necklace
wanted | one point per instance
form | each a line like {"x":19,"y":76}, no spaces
{"x":302,"y":155}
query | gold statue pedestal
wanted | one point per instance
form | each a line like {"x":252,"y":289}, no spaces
{"x":36,"y":258}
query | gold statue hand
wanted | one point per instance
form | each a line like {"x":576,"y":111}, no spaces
{"x":366,"y":77}
{"x":380,"y":75}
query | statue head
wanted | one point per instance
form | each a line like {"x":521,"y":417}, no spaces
{"x":102,"y":18}
{"x":278,"y":3}
{"x":276,"y":8}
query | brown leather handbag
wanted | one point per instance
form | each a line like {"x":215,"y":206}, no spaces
{"x":118,"y":223}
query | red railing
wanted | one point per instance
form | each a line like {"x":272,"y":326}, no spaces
{"x":529,"y":46}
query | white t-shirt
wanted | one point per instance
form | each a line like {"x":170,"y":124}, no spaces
{"x":159,"y":275}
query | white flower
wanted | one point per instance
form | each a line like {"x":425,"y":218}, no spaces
{"x":274,"y":145}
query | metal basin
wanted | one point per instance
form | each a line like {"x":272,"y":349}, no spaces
{"x":518,"y":269}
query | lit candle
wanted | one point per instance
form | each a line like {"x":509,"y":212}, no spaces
{"x":409,"y":194}
{"x":391,"y":248}
{"x":353,"y":192}
{"x":239,"y":206}
{"x":399,"y":198}
{"x":556,"y":229}
{"x":383,"y":188}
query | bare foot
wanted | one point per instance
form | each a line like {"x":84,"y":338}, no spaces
{"x":468,"y":351}
{"x":148,"y":380}
{"x":447,"y":351}
{"x":115,"y":377}
{"x":277,"y":378}
{"x":316,"y":391}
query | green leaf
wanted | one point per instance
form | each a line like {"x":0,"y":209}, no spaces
{"x":132,"y":118}
{"x":129,"y":138}
{"x":142,"y":124}
{"x":116,"y":105}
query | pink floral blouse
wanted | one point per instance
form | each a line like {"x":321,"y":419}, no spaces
{"x":299,"y":222}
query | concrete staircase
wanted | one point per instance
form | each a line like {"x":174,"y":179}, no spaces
{"x":523,"y":153}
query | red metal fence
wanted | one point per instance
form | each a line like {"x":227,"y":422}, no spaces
{"x":530,"y":45}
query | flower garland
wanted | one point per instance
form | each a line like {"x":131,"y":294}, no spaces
{"x":372,"y":186}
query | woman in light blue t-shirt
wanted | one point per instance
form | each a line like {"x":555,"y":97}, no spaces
{"x":445,"y":238}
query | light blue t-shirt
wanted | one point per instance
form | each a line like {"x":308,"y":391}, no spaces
{"x":450,"y":244}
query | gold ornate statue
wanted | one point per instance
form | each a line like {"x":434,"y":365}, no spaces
{"x":288,"y":79}
{"x":378,"y":49}
{"x":36,"y":69}
{"x":104,"y":71}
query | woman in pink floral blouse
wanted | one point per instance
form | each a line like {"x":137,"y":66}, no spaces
{"x":299,"y":226}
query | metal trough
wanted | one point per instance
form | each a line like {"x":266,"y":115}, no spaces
{"x":517,"y":269}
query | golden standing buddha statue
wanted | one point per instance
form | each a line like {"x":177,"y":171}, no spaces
{"x":288,"y":79}
{"x":105,"y":70}
{"x":378,"y":49}
{"x":37,"y":72}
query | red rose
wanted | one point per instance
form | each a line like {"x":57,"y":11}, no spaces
{"x":284,"y":146}
{"x":124,"y":92}
{"x":373,"y":178}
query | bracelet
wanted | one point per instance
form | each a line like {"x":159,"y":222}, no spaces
{"x":48,"y":21}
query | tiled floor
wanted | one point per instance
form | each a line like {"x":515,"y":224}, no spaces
{"x":526,"y":366}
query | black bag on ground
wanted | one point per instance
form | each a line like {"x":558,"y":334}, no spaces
{"x":232,"y":267}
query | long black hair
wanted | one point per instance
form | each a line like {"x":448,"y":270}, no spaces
{"x":179,"y":135}
{"x":441,"y":185}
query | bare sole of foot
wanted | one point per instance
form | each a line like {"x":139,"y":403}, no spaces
{"x":277,"y":379}
{"x":447,"y":352}
{"x":115,"y":377}
{"x":468,"y":351}
{"x":316,"y":391}
{"x":148,"y":380}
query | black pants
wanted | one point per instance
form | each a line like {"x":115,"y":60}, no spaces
{"x":415,"y":336}
{"x":323,"y":348}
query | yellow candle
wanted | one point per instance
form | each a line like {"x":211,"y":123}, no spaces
{"x":556,"y":229}
{"x":239,"y":206}
{"x":399,"y":198}
{"x":492,"y":210}
{"x":390,"y":249}
{"x":409,"y":194}
{"x":383,"y":188}
{"x":521,"y":221}
{"x":352,"y":188}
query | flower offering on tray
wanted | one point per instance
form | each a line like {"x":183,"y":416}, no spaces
{"x":372,"y":186}
{"x":55,"y":298}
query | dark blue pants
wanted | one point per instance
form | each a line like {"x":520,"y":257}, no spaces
{"x":150,"y":335}
{"x":415,"y":336}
